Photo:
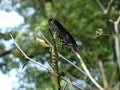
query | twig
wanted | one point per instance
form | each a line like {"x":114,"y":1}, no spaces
{"x":27,"y":56}
{"x":72,"y":64}
{"x":116,"y":36}
{"x":116,"y":87}
{"x":48,"y":69}
{"x":103,"y":74}
{"x":88,"y":73}
{"x":100,"y":4}
{"x":46,"y":39}
{"x":109,"y":5}
{"x":112,"y":78}
{"x":65,"y":86}
{"x":60,"y":55}
{"x":105,"y":10}
{"x":69,"y":82}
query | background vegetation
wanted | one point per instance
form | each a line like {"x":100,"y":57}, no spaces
{"x":89,"y":22}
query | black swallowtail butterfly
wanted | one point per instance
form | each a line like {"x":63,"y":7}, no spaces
{"x":65,"y":37}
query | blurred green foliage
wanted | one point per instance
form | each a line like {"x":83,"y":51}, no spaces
{"x":82,"y":18}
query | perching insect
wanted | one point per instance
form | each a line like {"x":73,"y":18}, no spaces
{"x":64,"y":36}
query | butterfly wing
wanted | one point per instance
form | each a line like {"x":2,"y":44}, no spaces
{"x":65,"y":37}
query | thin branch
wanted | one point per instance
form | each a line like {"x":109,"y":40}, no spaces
{"x":105,"y":10}
{"x":112,"y":78}
{"x":3,"y":53}
{"x":65,"y":85}
{"x":48,"y":69}
{"x":118,"y":20}
{"x":103,"y":74}
{"x":101,"y":6}
{"x":27,"y":56}
{"x":88,"y":73}
{"x":83,"y":65}
{"x":72,"y":64}
{"x":60,"y":55}
{"x":109,"y":5}
{"x":116,"y":87}
{"x":46,"y":39}
{"x":70,"y":83}
{"x":116,"y":36}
